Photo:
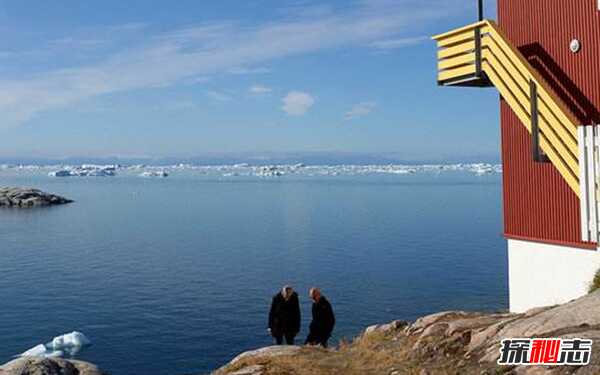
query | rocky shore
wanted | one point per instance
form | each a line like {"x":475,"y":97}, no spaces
{"x":49,"y":366}
{"x":453,"y":342}
{"x":27,"y":197}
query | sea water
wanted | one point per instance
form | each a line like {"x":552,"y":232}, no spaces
{"x":175,"y":275}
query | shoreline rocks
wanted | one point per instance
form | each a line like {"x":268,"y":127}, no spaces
{"x":450,"y":342}
{"x":49,"y":366}
{"x":29,"y":197}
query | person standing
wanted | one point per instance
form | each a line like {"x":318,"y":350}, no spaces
{"x":284,"y":316}
{"x":323,"y":319}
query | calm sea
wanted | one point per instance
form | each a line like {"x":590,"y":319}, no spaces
{"x":175,"y":275}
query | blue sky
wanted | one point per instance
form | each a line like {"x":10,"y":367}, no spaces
{"x":142,"y":78}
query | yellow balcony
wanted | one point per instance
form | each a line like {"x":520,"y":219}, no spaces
{"x":480,"y":55}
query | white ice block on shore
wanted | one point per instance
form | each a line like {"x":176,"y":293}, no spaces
{"x":68,"y":343}
{"x":37,"y":351}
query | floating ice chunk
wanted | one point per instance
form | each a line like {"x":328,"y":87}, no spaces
{"x":60,"y":173}
{"x":481,"y":168}
{"x":154,"y":174}
{"x":182,"y":166}
{"x":70,"y":343}
{"x":270,"y":171}
{"x":85,"y":170}
{"x":68,"y":340}
{"x":57,"y":353}
{"x":99,"y":173}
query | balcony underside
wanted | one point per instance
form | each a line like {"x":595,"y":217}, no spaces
{"x":468,"y":80}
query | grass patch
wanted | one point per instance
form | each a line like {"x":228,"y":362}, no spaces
{"x":595,"y":284}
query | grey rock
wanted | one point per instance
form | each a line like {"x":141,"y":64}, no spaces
{"x":28,"y":197}
{"x":582,"y":312}
{"x":422,"y":323}
{"x":268,"y":352}
{"x":386,"y":328}
{"x":48,"y":366}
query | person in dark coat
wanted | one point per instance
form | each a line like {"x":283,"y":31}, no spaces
{"x":323,"y":319}
{"x":284,"y":316}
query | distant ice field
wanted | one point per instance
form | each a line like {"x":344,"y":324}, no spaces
{"x":275,"y":170}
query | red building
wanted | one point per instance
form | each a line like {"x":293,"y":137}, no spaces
{"x":543,"y":56}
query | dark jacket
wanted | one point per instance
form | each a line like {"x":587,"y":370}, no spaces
{"x":284,"y":316}
{"x":323,"y":319}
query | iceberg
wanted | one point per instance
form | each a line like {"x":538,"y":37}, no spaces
{"x":85,"y":171}
{"x":154,"y":174}
{"x":60,"y":173}
{"x":69,"y":343}
{"x":270,"y":171}
{"x":69,"y":340}
{"x":482,"y":168}
{"x":100,"y":173}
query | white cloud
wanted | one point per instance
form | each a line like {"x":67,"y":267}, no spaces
{"x":199,"y":79}
{"x":396,"y":43}
{"x":70,"y":42}
{"x":131,"y":26}
{"x":297,"y":103}
{"x":180,"y":105}
{"x":218,"y":95}
{"x":259,"y":90}
{"x":243,"y":70}
{"x":359,"y":110}
{"x":160,"y":60}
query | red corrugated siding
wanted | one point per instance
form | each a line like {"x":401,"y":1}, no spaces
{"x":538,"y":204}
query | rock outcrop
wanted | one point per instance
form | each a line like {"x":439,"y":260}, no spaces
{"x":453,"y":342}
{"x":27,"y":197}
{"x":49,"y":366}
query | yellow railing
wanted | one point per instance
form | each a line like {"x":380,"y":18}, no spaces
{"x":481,"y":49}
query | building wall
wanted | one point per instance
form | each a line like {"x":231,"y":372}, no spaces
{"x":538,"y":204}
{"x":543,"y":30}
{"x":543,"y":274}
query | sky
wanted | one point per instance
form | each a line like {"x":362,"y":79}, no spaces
{"x":142,"y":78}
